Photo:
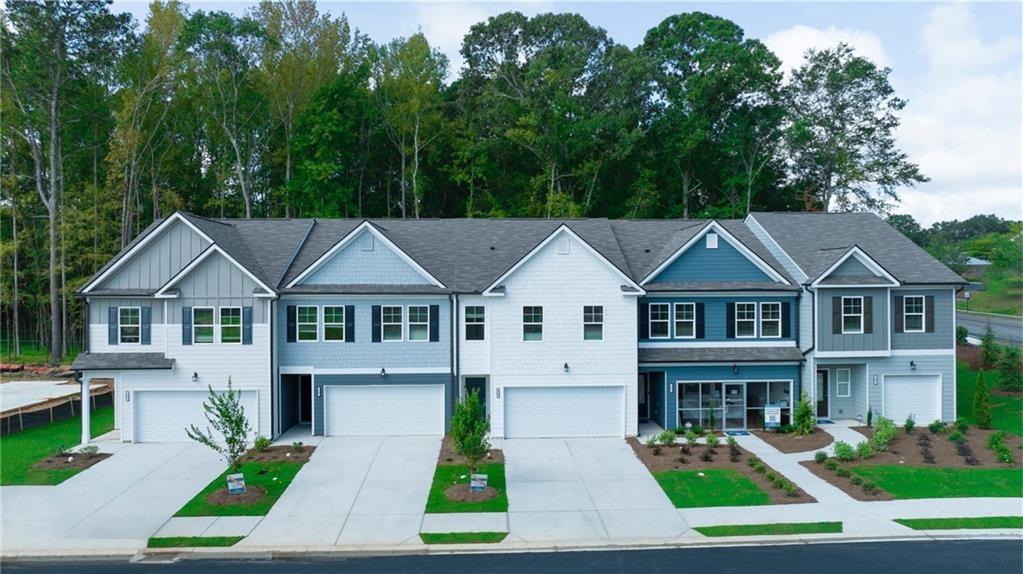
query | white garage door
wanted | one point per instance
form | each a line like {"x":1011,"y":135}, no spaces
{"x":548,"y":412}
{"x":352,"y":410}
{"x":917,"y":395}
{"x":162,"y":416}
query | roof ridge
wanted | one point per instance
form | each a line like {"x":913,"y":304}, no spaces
{"x":298,"y":248}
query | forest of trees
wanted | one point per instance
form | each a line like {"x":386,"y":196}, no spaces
{"x":287,"y":111}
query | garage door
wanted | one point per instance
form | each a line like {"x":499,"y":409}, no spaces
{"x":163,"y":416}
{"x":548,"y":412}
{"x":917,"y":395}
{"x":384,"y":410}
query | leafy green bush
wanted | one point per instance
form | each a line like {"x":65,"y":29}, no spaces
{"x":752,"y":460}
{"x":713,"y":441}
{"x":995,"y":439}
{"x":864,"y":450}
{"x":843,"y":451}
{"x":789,"y":488}
{"x":961,"y":334}
{"x":261,"y":443}
{"x":936,"y":427}
{"x":759,"y":467}
{"x":805,"y":420}
{"x":884,"y":432}
{"x":667,"y":438}
{"x":909,"y":424}
{"x":956,"y":436}
{"x":770,"y":476}
{"x":651,"y":441}
{"x":856,"y":480}
{"x":820,"y":456}
{"x":1011,"y":368}
{"x":990,"y":351}
{"x":869,"y":487}
{"x":691,"y":437}
{"x":843,"y":472}
{"x":962,"y":425}
{"x":298,"y":446}
{"x":89,"y":451}
{"x":982,"y":403}
{"x":831,"y":464}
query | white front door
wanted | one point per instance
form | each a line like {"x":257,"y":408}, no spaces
{"x":550,"y":412}
{"x":354,"y":410}
{"x":916,"y":395}
{"x":163,"y":416}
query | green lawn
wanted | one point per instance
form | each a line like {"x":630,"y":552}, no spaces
{"x":32,"y":353}
{"x":1006,"y":412}
{"x":1003,"y":293}
{"x":449,"y":474}
{"x":193,"y":541}
{"x":770,"y":529}
{"x":463,"y":537}
{"x":925,"y":482}
{"x":962,"y":523}
{"x":717,"y":487}
{"x":273,"y":477}
{"x":21,"y":450}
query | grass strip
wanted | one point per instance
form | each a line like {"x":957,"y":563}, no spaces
{"x":272,"y":477}
{"x":1014,"y":522}
{"x":771,"y":529}
{"x":193,"y":541}
{"x":462,"y":537}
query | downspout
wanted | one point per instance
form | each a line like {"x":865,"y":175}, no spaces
{"x":455,"y":386}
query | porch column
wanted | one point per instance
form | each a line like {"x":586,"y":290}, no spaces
{"x":86,"y":414}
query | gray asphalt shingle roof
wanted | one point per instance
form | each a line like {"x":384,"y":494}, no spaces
{"x":719,"y":354}
{"x":121,"y":361}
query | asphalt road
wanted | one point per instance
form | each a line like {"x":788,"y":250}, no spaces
{"x":929,"y":557}
{"x":1007,"y":330}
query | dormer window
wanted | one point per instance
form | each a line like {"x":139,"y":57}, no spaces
{"x":712,"y":241}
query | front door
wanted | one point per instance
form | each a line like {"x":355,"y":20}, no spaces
{"x":478,"y":384}
{"x":644,"y":396}
{"x":305,"y":414}
{"x":735,"y":406}
{"x":823,"y":410}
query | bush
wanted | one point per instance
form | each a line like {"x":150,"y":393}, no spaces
{"x":759,"y":467}
{"x":752,"y":461}
{"x":869,"y":487}
{"x":262,"y":443}
{"x":820,"y":456}
{"x":298,"y":446}
{"x":790,"y":489}
{"x":982,"y":403}
{"x":651,"y":441}
{"x":61,"y":450}
{"x":961,"y":334}
{"x":784,"y":429}
{"x":843,"y":451}
{"x":691,"y":437}
{"x":989,"y":349}
{"x":864,"y":450}
{"x":698,"y":430}
{"x":870,"y":417}
{"x":843,"y":472}
{"x":1011,"y":368}
{"x":713,"y":441}
{"x":856,"y":480}
{"x":928,"y":455}
{"x":667,"y":438}
{"x":1004,"y":454}
{"x":771,"y":476}
{"x":936,"y":427}
{"x":884,"y":432}
{"x":805,"y":421}
{"x":470,"y":428}
{"x":89,"y":450}
{"x":226,"y":415}
{"x":705,"y":456}
{"x":962,"y":425}
{"x":909,"y":424}
{"x":732,"y":443}
{"x":995,"y":439}
{"x":831,"y":464}
{"x":956,"y":436}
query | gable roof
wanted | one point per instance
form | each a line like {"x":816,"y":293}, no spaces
{"x":164,"y":291}
{"x":877,"y":274}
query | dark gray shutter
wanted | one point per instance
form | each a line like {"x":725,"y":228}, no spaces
{"x":147,"y":324}
{"x":292,"y":324}
{"x":929,"y":313}
{"x":349,"y":323}
{"x":699,"y":321}
{"x":434,"y":323}
{"x":730,"y":320}
{"x":246,"y":325}
{"x":644,"y":320}
{"x":836,"y":315}
{"x":899,"y":327}
{"x":376,"y":323}
{"x":868,"y":314}
{"x":186,"y":325}
{"x":112,"y":325}
{"x":786,"y":319}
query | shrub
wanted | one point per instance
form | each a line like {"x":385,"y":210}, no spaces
{"x":733,"y":456}
{"x":770,"y":476}
{"x":864,"y":450}
{"x":262,"y":443}
{"x":884,"y":432}
{"x":759,"y":467}
{"x":820,"y":456}
{"x":831,"y":464}
{"x":870,"y":417}
{"x":995,"y":439}
{"x":964,"y":449}
{"x":989,"y":349}
{"x":805,"y":421}
{"x":784,"y":429}
{"x":691,"y":437}
{"x":928,"y":455}
{"x":752,"y":461}
{"x":936,"y":427}
{"x":712,"y":441}
{"x":869,"y":487}
{"x":61,"y":450}
{"x":698,"y":430}
{"x":470,"y":428}
{"x":667,"y":438}
{"x":732,"y":443}
{"x":651,"y":441}
{"x":226,"y":415}
{"x":89,"y":450}
{"x":972,"y":461}
{"x":956,"y":436}
{"x":298,"y":446}
{"x":790,"y":489}
{"x":856,"y":480}
{"x":923,"y":439}
{"x":1004,"y":454}
{"x":961,"y":334}
{"x":705,"y":456}
{"x":843,"y":451}
{"x":1011,"y":368}
{"x":962,"y":425}
{"x":909,"y":424}
{"x":685,"y":449}
{"x":843,"y":472}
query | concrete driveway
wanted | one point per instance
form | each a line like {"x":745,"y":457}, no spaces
{"x":584,"y":489}
{"x":363,"y":490}
{"x":117,"y":504}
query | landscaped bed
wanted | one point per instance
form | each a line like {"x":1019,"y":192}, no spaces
{"x":771,"y":529}
{"x":1014,"y":522}
{"x":462,"y":537}
{"x":27,"y":457}
{"x":193,"y":541}
{"x":450,"y":489}
{"x":720,"y":481}
{"x":790,"y":442}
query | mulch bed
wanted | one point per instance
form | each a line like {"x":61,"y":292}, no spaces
{"x":220,"y":497}
{"x":449,"y":456}
{"x":669,"y":460}
{"x":792,"y":442}
{"x":70,"y":461}
{"x":280,"y":453}
{"x":461,"y":493}
{"x":971,"y":355}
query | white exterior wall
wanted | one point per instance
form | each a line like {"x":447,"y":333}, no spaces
{"x":474,"y":356}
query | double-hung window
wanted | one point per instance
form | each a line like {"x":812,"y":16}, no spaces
{"x":333,"y":323}
{"x":418,"y":323}
{"x":852,"y":315}
{"x":532,"y":323}
{"x":230,"y":324}
{"x":390,"y":323}
{"x":843,"y":382}
{"x":593,"y":322}
{"x":202,"y":325}
{"x":913,"y":314}
{"x":129,"y":325}
{"x":475,"y":326}
{"x":770,"y":320}
{"x":745,"y":320}
{"x":307,"y":323}
{"x":685,"y":320}
{"x":659,"y":320}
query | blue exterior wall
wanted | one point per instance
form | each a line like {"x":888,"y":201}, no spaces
{"x":875,"y":341}
{"x":852,"y":267}
{"x":319,"y":381}
{"x":714,"y":316}
{"x":365,"y":261}
{"x":943,"y":336}
{"x":698,"y":263}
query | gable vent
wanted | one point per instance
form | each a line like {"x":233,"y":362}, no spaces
{"x":563,"y":246}
{"x":712,"y":241}
{"x":367,"y":242}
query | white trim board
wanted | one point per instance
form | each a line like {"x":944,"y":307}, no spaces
{"x":288,"y":370}
{"x":213,"y":248}
{"x":770,"y":237}
{"x":686,"y":344}
{"x":711,"y":294}
{"x":851,"y":354}
{"x":725,"y":364}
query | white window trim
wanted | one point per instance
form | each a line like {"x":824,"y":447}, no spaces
{"x":755,"y":320}
{"x":601,"y":323}
{"x":466,"y":323}
{"x":778,"y":320}
{"x":344,"y":318}
{"x":400,"y":323}
{"x":408,"y":323}
{"x":844,"y":314}
{"x":219,"y":325}
{"x":298,"y":324}
{"x":922,"y":314}
{"x":121,"y":341}
{"x":650,"y":321}
{"x":195,"y":341}
{"x":847,"y":383}
{"x":524,"y":323}
{"x":675,"y":321}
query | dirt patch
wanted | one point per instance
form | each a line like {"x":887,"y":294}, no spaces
{"x":671,"y":459}
{"x":70,"y":461}
{"x":792,"y":442}
{"x":1007,"y":394}
{"x":280,"y":454}
{"x":220,"y":497}
{"x":449,"y":456}
{"x":461,"y":493}
{"x":971,"y":355}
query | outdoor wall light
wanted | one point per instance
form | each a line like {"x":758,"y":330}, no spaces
{"x":912,"y":365}
{"x":735,"y":369}
{"x":565,"y":368}
{"x":195,"y":377}
{"x":383,"y":372}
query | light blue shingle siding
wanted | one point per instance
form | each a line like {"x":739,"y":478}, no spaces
{"x":365,"y":261}
{"x":867,"y":371}
{"x":943,"y":336}
{"x":715,"y":320}
{"x":856,"y":403}
{"x":875,"y":341}
{"x":319,"y":381}
{"x":698,"y":263}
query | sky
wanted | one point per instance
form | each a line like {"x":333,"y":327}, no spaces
{"x":958,"y":65}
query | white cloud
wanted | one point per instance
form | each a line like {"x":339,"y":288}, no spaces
{"x":791,"y":44}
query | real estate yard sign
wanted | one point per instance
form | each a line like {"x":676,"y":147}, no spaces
{"x":478,"y":483}
{"x":772,"y":416}
{"x":236,"y":483}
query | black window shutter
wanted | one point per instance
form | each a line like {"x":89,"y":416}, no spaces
{"x":292,"y":324}
{"x":899,"y":327}
{"x":836,"y":315}
{"x":929,"y":313}
{"x":112,"y":325}
{"x":730,"y":320}
{"x":699,"y":321}
{"x":786,"y":319}
{"x":146,"y":336}
{"x":349,"y":323}
{"x":434,"y":323}
{"x":246,"y":325}
{"x":186,"y":325}
{"x":644,"y":323}
{"x":868,"y":314}
{"x":376,"y":323}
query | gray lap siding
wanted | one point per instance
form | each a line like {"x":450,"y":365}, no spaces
{"x":320,"y":381}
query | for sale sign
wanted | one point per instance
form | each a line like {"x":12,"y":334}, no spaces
{"x":772,"y":417}
{"x":478,"y":483}
{"x":236,"y":483}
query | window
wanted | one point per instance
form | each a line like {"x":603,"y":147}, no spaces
{"x":659,"y":313}
{"x":745,"y":319}
{"x":843,"y":382}
{"x":418,"y":323}
{"x":852,"y":315}
{"x":770,"y":320}
{"x":593,"y":322}
{"x":390,"y":323}
{"x":129,"y":325}
{"x":532,"y":323}
{"x":685,"y":320}
{"x":712,"y":241}
{"x":474,"y":323}
{"x":202,"y":325}
{"x":230,"y":324}
{"x":913,"y":314}
{"x":333,"y":323}
{"x":307,"y":322}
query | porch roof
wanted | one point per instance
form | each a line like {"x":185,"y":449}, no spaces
{"x":719,"y":355}
{"x":121,"y":361}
